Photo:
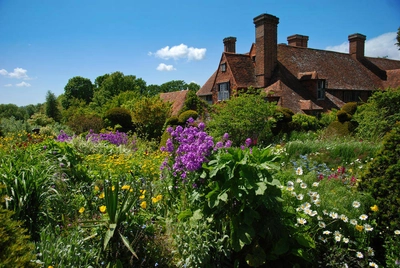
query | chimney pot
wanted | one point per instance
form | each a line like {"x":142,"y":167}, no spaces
{"x":357,"y":45}
{"x":298,"y":40}
{"x":230,"y":44}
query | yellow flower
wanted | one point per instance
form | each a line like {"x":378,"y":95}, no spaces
{"x":103,"y":209}
{"x":359,"y":227}
{"x":141,"y":197}
{"x":50,"y":266}
{"x":374,"y":208}
{"x":125,"y":187}
{"x":156,"y":199}
{"x":101,"y":195}
{"x":113,"y":188}
{"x":96,"y":188}
{"x":81,"y":210}
{"x":142,"y":191}
{"x":143,"y":205}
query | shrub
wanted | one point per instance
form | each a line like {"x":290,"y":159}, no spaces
{"x":382,"y":180}
{"x":304,"y":122}
{"x":119,"y":116}
{"x":350,"y":108}
{"x":343,"y":116}
{"x":327,"y":118}
{"x":172,"y":121}
{"x":283,"y":124}
{"x":83,"y":123}
{"x":15,"y":248}
{"x":183,"y":117}
{"x":245,"y":116}
{"x":337,"y":128}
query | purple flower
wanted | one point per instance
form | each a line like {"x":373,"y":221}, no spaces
{"x":226,"y":136}
{"x":248,"y":142}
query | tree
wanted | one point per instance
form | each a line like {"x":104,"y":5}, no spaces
{"x":193,"y":86}
{"x":149,"y":115}
{"x":398,"y":38}
{"x":152,"y":90}
{"x":242,"y":117}
{"x":8,"y":110}
{"x":51,"y":107}
{"x":77,"y":88}
{"x":117,"y":83}
{"x":174,"y":85}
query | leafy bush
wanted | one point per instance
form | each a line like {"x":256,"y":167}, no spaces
{"x":382,"y":180}
{"x":244,"y":116}
{"x":283,"y":125}
{"x":15,"y":248}
{"x":350,"y":108}
{"x":343,"y":116}
{"x":11,"y":125}
{"x":119,"y":116}
{"x":183,"y":117}
{"x":340,"y":129}
{"x":378,"y":115}
{"x":172,"y":121}
{"x":304,"y":122}
{"x":327,"y":118}
{"x":84,"y":122}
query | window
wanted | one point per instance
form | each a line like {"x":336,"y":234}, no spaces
{"x":209,"y":99}
{"x":223,"y":67}
{"x":321,"y":90}
{"x":223,"y":91}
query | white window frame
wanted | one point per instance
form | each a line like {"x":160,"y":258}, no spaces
{"x":223,"y":67}
{"x":223,"y":91}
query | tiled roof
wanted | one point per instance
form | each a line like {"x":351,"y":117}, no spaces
{"x":340,"y":70}
{"x":242,"y":68}
{"x":206,"y":88}
{"x":177,"y":98}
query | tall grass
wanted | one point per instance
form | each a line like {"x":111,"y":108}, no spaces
{"x":335,"y":152}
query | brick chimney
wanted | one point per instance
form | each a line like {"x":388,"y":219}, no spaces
{"x":357,"y":45}
{"x":298,"y":40}
{"x":230,"y":44}
{"x":266,"y":47}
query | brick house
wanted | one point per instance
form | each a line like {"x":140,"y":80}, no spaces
{"x":302,"y":79}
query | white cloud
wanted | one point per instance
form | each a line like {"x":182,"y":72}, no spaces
{"x":18,"y":73}
{"x":8,"y":85}
{"x":164,"y":67}
{"x":381,"y":46}
{"x":23,"y":84}
{"x":180,"y":52}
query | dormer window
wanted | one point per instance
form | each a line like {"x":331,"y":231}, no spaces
{"x":321,"y":90}
{"x":223,"y":67}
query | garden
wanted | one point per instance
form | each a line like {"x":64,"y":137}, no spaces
{"x":208,"y":193}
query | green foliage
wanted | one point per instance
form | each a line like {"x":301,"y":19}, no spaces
{"x":382,"y":180}
{"x":77,"y":88}
{"x":12,"y":110}
{"x":172,"y":121}
{"x":343,"y":116}
{"x":283,"y":125}
{"x":51,"y":107}
{"x":379,"y":114}
{"x":245,"y":116}
{"x":174,"y":85}
{"x":40,"y":120}
{"x":11,"y":125}
{"x":15,"y":248}
{"x":183,"y":117}
{"x":350,"y":108}
{"x":304,"y":122}
{"x":149,"y":115}
{"x":119,"y":116}
{"x":398,"y":38}
{"x":193,"y":102}
{"x":81,"y":123}
{"x":327,"y":118}
{"x":66,"y":248}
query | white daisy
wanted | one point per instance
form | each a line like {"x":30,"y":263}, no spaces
{"x":356,"y":204}
{"x":368,"y":228}
{"x":315,"y":184}
{"x":359,"y":255}
{"x":353,"y":222}
{"x":333,"y":215}
{"x":299,"y":171}
{"x":363,"y":217}
{"x":326,"y":232}
{"x":373,"y":264}
{"x":370,"y":251}
{"x":290,"y":183}
{"x":300,"y":197}
{"x":290,"y":188}
{"x":345,"y":240}
{"x":344,"y":218}
{"x":303,"y":185}
{"x":298,"y":180}
{"x":397,"y":232}
{"x":301,"y":221}
{"x":321,"y":224}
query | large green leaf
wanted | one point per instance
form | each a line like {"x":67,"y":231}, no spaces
{"x":109,"y":234}
{"x":126,"y":243}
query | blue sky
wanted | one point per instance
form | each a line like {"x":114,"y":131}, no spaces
{"x":45,"y":43}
